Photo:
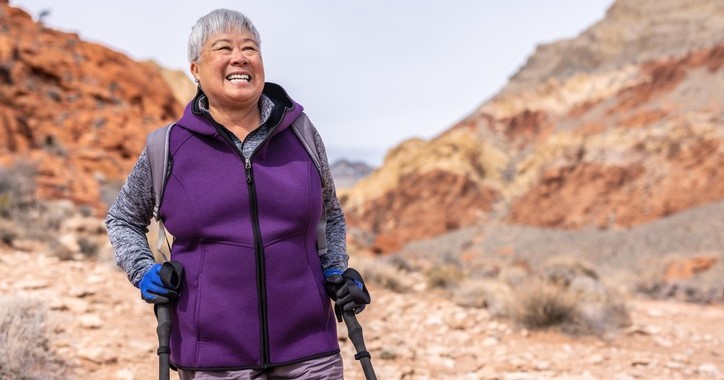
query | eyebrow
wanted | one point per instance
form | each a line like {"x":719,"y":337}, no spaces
{"x":228,"y":41}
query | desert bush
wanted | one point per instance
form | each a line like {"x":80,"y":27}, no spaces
{"x":445,"y":271}
{"x":445,"y":276}
{"x":8,"y":231}
{"x":109,"y":190}
{"x":584,"y":306}
{"x":562,"y":270}
{"x":599,"y":318}
{"x":88,"y":247}
{"x":17,"y":190}
{"x":25,"y":351}
{"x":400,"y":262}
{"x":487,"y":294}
{"x":386,"y":273}
{"x":539,"y":304}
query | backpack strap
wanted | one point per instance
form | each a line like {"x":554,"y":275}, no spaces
{"x":304,"y":130}
{"x":158,"y":159}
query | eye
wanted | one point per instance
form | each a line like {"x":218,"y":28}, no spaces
{"x":226,"y":48}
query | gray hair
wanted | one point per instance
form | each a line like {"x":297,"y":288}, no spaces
{"x":215,"y":22}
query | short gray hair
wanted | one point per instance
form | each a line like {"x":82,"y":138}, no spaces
{"x":215,"y":22}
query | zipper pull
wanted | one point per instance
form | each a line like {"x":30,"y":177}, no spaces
{"x":247,"y":165}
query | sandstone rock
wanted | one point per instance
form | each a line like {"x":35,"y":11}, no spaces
{"x":125,"y":374}
{"x":663,"y":342}
{"x":141,"y":345}
{"x":490,"y":341}
{"x":70,"y":242}
{"x":81,"y":291}
{"x":97,"y":355}
{"x":685,"y":268}
{"x":520,"y":376}
{"x":596,"y":359}
{"x":73,"y":305}
{"x":28,"y":245}
{"x":32,"y":284}
{"x":623,"y":376}
{"x":90,"y":321}
{"x":709,"y":369}
{"x":468,"y":363}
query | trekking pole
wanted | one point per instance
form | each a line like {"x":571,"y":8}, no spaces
{"x":163,"y":314}
{"x":171,"y":277}
{"x":354,"y":330}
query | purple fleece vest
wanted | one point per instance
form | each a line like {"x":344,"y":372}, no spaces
{"x":208,"y":207}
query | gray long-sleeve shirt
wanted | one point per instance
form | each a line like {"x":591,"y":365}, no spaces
{"x":131,"y":212}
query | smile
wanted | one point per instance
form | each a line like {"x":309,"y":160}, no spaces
{"x":238,"y":77}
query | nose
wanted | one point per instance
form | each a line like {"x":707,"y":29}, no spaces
{"x":238,"y":57}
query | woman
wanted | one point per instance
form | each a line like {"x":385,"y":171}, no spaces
{"x":242,"y":201}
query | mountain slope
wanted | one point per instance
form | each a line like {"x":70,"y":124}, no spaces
{"x":77,"y":111}
{"x":625,"y":129}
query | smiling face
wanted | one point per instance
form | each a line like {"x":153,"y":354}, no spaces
{"x":230,"y":70}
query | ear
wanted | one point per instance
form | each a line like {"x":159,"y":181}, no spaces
{"x":194,"y":68}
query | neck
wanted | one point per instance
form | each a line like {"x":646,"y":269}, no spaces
{"x":241,"y":121}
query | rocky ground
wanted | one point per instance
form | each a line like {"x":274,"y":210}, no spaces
{"x":102,"y":329}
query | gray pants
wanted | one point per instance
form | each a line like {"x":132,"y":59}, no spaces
{"x":326,"y":368}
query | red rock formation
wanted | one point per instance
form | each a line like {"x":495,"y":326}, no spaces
{"x":610,"y":129}
{"x":675,"y":163}
{"x":682,"y":269}
{"x":77,"y":110}
{"x":396,"y":220}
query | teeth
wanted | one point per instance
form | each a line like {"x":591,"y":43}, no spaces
{"x":238,"y":77}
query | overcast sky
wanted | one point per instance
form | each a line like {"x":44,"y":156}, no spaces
{"x":369,"y":73}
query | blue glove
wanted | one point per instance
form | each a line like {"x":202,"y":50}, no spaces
{"x":153,"y":289}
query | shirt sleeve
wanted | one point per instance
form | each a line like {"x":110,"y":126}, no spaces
{"x":336,"y":257}
{"x":128,"y":219}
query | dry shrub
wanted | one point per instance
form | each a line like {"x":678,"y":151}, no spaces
{"x":17,"y":190}
{"x":562,"y":270}
{"x":581,"y":306}
{"x":9,"y":232}
{"x":386,"y":273}
{"x":25,"y":343}
{"x":539,"y":304}
{"x":445,"y":276}
{"x":445,"y":272}
{"x":22,"y":215}
{"x":88,"y":247}
{"x":487,"y":294}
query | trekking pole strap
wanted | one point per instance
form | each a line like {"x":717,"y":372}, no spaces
{"x":163,"y":350}
{"x":362,"y":354}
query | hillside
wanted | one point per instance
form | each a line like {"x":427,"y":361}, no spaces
{"x":77,"y":112}
{"x":619,"y":126}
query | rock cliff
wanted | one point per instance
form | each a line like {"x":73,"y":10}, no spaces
{"x":619,"y":126}
{"x":77,"y":111}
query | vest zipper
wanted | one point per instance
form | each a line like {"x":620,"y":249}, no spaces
{"x":256,"y":229}
{"x":260,"y":266}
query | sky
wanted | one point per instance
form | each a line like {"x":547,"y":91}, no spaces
{"x":370,"y":74}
